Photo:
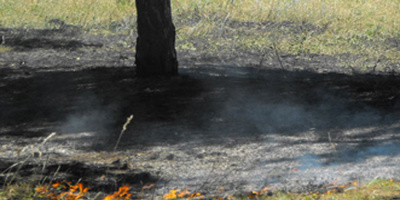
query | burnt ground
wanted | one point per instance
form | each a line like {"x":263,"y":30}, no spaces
{"x":222,"y":122}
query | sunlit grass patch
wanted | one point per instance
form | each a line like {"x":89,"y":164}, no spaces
{"x":341,"y":27}
{"x":337,"y":27}
{"x":303,"y":28}
{"x":5,"y":49}
{"x":92,"y":14}
{"x":376,"y":189}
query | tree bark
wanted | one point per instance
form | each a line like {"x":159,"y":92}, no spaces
{"x":155,"y":47}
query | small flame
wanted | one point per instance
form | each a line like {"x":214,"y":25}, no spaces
{"x":170,"y":195}
{"x":174,"y":194}
{"x":55,"y":193}
{"x":56,"y":185}
{"x":121,"y":193}
{"x":184,"y":193}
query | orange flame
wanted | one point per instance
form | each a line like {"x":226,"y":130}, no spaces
{"x":56,"y":185}
{"x":174,"y":194}
{"x":121,"y":193}
{"x":184,"y":193}
{"x":195,"y":195}
{"x":54,"y":192}
{"x":170,"y":195}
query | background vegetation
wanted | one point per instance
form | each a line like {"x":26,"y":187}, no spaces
{"x":364,"y":29}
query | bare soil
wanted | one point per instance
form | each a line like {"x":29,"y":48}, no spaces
{"x":225,"y":121}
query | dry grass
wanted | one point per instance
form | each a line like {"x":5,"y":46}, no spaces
{"x":369,"y":17}
{"x":88,"y":14}
{"x":340,"y":27}
{"x":376,"y":189}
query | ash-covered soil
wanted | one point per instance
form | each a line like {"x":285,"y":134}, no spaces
{"x":226,"y":122}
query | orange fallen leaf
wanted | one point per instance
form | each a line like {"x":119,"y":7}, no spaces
{"x":295,"y":170}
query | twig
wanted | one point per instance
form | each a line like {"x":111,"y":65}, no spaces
{"x":55,"y":173}
{"x":330,"y":141}
{"x":128,"y":120}
{"x":277,"y":55}
{"x":376,"y":64}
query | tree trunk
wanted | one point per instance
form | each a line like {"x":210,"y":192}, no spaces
{"x":155,"y":48}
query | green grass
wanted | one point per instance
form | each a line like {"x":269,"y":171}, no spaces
{"x":376,"y":189}
{"x":5,"y":49}
{"x":339,"y":27}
